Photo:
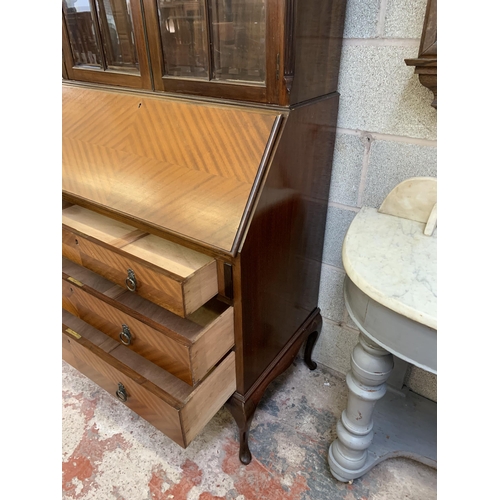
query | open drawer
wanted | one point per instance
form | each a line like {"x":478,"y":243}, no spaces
{"x":170,"y":275}
{"x":186,"y":347}
{"x":175,"y":408}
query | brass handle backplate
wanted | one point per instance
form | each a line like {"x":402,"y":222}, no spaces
{"x":125,"y":335}
{"x":121,"y":393}
{"x":131,"y":280}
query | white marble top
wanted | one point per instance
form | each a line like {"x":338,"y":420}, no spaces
{"x":391,"y":260}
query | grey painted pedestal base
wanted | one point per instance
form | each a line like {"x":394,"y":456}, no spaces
{"x":403,"y":427}
{"x":377,"y":425}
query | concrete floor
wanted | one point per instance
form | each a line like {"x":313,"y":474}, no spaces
{"x":111,"y":453}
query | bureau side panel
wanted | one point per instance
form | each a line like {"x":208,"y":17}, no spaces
{"x":281,"y":255}
{"x":318,"y":30}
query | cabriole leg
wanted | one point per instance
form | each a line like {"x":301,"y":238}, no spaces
{"x":243,"y":408}
{"x":242,"y":413}
{"x":311,"y":341}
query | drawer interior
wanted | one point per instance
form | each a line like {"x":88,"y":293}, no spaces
{"x":186,"y":347}
{"x":171,"y":257}
{"x":174,"y":387}
{"x":174,"y":277}
{"x":189,"y":329}
{"x":171,"y":405}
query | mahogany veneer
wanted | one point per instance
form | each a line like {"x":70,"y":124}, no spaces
{"x":186,"y":347}
{"x":261,"y":255}
{"x":194,"y":209}
{"x":170,"y":163}
{"x":174,"y":407}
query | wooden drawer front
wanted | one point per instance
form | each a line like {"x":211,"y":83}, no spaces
{"x":172,"y":406}
{"x":176,"y":278}
{"x":186,"y":347}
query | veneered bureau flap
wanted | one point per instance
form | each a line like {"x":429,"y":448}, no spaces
{"x":188,"y":167}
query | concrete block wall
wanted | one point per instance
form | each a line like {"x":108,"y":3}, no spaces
{"x":386,"y":133}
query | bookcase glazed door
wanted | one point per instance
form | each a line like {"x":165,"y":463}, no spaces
{"x":217,"y":48}
{"x":103,"y":42}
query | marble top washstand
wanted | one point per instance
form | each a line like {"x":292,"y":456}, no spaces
{"x":394,"y":265}
{"x":390,"y":290}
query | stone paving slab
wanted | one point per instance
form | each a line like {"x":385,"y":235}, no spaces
{"x":111,"y":453}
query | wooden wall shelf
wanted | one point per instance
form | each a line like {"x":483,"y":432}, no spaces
{"x":426,"y":62}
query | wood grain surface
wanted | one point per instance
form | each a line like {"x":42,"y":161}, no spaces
{"x":112,"y":232}
{"x":187,"y":348}
{"x":317,"y":44}
{"x":170,"y":275}
{"x":172,"y":406}
{"x":187,"y":167}
{"x":107,"y":372}
{"x":280,"y":260}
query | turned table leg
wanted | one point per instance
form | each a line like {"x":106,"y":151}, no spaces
{"x":371,"y":366}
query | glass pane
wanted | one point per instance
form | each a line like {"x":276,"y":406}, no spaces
{"x":239,"y":38}
{"x":184,"y":37}
{"x":82,"y":32}
{"x":117,"y":34}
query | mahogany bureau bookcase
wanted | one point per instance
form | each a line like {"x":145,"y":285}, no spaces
{"x":197,"y":151}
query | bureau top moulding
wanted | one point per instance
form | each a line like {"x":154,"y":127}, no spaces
{"x":187,"y":170}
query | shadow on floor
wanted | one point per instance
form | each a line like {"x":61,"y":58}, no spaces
{"x":111,"y":453}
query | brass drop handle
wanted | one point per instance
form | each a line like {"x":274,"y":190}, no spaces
{"x":125,"y":335}
{"x":121,"y":393}
{"x":131,"y":280}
